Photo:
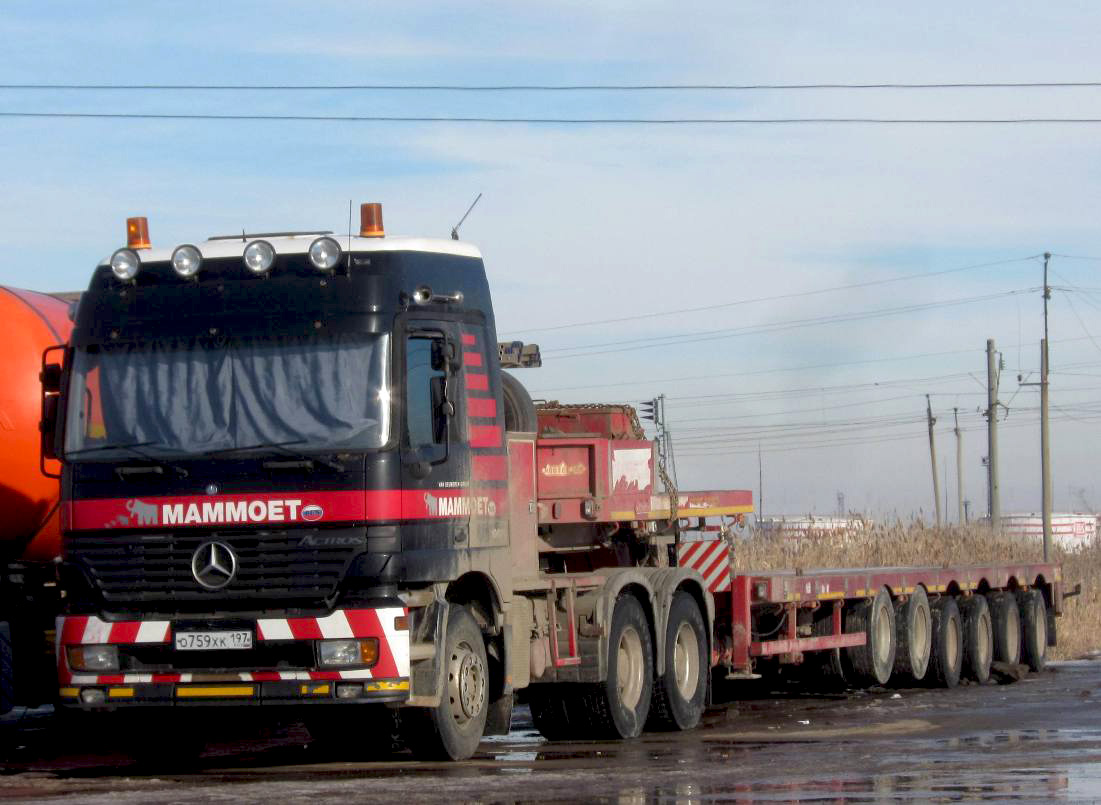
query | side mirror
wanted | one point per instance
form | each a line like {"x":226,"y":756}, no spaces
{"x":50,"y":377}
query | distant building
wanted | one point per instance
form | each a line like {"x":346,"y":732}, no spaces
{"x":799,"y":526}
{"x":1068,"y":531}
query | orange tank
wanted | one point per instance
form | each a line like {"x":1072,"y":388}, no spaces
{"x":29,"y":528}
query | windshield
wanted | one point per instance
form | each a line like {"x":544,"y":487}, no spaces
{"x":185,"y":396}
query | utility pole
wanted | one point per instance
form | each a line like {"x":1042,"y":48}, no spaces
{"x":933,"y":456}
{"x":760,"y":487}
{"x":992,"y":436}
{"x":1045,"y":435}
{"x":959,"y":467}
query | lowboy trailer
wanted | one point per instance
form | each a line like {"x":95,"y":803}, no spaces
{"x":296,"y":475}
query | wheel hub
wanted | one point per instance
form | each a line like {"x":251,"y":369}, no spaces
{"x":686,"y":661}
{"x":466,"y":682}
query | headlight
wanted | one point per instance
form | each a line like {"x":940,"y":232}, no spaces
{"x":259,"y":256}
{"x":186,"y":260}
{"x":348,"y":652}
{"x":125,"y":264}
{"x":324,"y":254}
{"x":94,"y":658}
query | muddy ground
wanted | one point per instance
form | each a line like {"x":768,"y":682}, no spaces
{"x":1034,"y":740}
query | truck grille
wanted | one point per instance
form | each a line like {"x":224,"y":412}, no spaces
{"x":294,"y":568}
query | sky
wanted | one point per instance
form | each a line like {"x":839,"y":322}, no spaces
{"x":818,"y":343}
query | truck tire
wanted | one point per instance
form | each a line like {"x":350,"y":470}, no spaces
{"x":618,"y":706}
{"x":1006,"y":617}
{"x":829,"y":668}
{"x":453,"y":729}
{"x":679,"y":695}
{"x":1033,"y":629}
{"x":7,"y":670}
{"x":946,"y":662}
{"x":978,"y":638}
{"x":519,"y":409}
{"x":551,"y":707}
{"x":873,"y":662}
{"x":915,"y":636}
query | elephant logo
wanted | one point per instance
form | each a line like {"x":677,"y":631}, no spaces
{"x":146,"y":513}
{"x":433,"y":504}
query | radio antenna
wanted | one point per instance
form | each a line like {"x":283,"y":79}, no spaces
{"x":349,"y":237}
{"x":455,"y":229}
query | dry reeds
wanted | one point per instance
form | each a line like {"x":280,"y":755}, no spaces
{"x":903,"y":544}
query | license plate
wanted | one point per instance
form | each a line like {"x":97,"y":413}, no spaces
{"x":213,"y":641}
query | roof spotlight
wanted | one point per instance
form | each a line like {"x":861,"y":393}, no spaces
{"x":186,"y":260}
{"x":125,"y":264}
{"x":259,"y":256}
{"x":324,"y":254}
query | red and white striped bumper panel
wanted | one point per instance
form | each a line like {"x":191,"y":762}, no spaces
{"x":710,"y":558}
{"x":379,"y":623}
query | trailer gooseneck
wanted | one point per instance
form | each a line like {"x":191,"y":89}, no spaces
{"x":295,"y":473}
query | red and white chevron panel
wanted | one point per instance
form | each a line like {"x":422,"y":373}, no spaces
{"x":710,"y":558}
{"x":393,"y":661}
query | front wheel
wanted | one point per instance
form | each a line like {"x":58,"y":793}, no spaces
{"x":679,"y":695}
{"x":452,"y":729}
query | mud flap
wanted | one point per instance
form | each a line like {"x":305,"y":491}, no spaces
{"x":499,"y":718}
{"x":425,"y":669}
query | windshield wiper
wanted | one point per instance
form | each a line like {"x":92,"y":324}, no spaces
{"x":132,"y":447}
{"x":282,"y":447}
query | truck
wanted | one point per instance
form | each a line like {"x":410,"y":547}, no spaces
{"x":299,"y":477}
{"x":30,"y":529}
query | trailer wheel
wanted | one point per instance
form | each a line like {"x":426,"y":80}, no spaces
{"x":978,"y":638}
{"x":679,"y":695}
{"x":873,"y":662}
{"x":1006,"y":617}
{"x":618,"y":706}
{"x":947,"y":659}
{"x":1033,"y":629}
{"x":452,"y":730}
{"x":915,"y":636}
{"x":519,"y":409}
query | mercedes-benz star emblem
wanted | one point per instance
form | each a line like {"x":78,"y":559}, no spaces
{"x":214,"y":565}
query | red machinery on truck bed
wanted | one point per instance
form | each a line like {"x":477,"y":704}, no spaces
{"x":295,"y":475}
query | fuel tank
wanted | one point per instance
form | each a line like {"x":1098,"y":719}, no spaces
{"x":29,"y":524}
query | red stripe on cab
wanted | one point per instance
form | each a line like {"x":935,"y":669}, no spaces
{"x":472,"y":359}
{"x":485,"y":436}
{"x":469,"y":339}
{"x":481,"y":406}
{"x":475,"y":381}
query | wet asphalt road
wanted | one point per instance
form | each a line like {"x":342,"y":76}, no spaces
{"x":1035,"y":740}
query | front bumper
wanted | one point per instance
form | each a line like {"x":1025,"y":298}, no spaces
{"x":280,"y":669}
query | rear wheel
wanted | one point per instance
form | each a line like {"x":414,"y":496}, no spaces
{"x":679,"y":695}
{"x":1033,"y":629}
{"x":873,"y":662}
{"x":914,"y":636}
{"x":946,"y":662}
{"x":978,"y":638}
{"x":1006,"y":618}
{"x":452,"y":730}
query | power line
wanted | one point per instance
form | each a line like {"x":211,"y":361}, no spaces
{"x":708,"y":87}
{"x":771,"y":327}
{"x":567,"y":121}
{"x":775,"y":297}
